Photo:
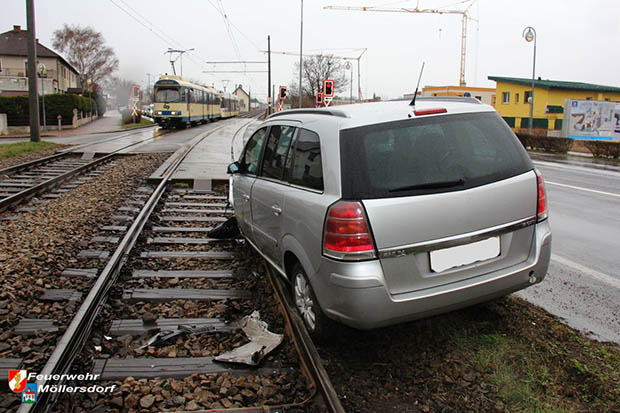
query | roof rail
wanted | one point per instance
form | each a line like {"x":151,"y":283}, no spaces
{"x":328,"y":112}
{"x":450,"y":99}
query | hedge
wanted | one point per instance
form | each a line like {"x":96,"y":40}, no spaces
{"x":545,"y":143}
{"x":17,"y":111}
{"x":127,"y":118}
{"x":101,"y":104}
{"x":603,"y":149}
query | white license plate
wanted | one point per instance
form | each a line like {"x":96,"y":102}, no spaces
{"x":447,"y":258}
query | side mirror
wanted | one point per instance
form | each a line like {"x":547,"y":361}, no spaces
{"x":233,"y":168}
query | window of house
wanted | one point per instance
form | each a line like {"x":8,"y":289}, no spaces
{"x":606,"y":99}
{"x":505,"y":97}
{"x":526,"y":96}
{"x":493,"y":99}
{"x":589,"y":98}
{"x":516,"y":98}
{"x":276,"y":151}
{"x":479,"y":98}
{"x":306,"y":168}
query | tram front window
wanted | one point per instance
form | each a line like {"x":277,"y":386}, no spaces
{"x":167,"y":95}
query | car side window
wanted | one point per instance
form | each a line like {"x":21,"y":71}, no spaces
{"x":251,"y":153}
{"x":307,"y":168}
{"x":276,"y":150}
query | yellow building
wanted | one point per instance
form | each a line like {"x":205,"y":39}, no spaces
{"x":483,"y":94}
{"x":512,"y":95}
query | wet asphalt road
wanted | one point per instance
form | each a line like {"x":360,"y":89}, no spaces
{"x":583,"y":281}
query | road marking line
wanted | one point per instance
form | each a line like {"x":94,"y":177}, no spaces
{"x":604,"y":278}
{"x":587,"y":170}
{"x":582,"y":189}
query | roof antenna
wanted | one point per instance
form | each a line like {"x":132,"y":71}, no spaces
{"x":412,"y":103}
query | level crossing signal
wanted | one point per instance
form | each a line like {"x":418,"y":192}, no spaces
{"x":135,"y":92}
{"x":328,"y":88}
{"x":282,"y":93}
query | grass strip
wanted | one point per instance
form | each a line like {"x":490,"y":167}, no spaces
{"x":143,"y":122}
{"x":13,"y":149}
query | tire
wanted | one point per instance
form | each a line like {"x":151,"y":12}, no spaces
{"x":307,"y":305}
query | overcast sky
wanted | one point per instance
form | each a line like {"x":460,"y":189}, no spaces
{"x":577,"y":40}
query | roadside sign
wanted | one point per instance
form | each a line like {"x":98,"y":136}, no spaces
{"x":135,"y":92}
{"x":328,"y":88}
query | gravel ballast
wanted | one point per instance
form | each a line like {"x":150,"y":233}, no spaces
{"x":37,"y":247}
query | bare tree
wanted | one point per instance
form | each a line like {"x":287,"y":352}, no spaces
{"x":315,"y":70}
{"x":85,"y":49}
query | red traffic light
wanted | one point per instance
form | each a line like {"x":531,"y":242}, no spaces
{"x":328,"y":88}
{"x":282,"y":93}
{"x":319,"y":98}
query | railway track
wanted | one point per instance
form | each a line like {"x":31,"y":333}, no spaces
{"x":25,"y":181}
{"x":164,"y":269}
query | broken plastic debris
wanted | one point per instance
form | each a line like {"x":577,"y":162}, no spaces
{"x":98,"y":349}
{"x":262,"y":342}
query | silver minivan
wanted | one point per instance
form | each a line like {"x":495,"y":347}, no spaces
{"x":381,"y":213}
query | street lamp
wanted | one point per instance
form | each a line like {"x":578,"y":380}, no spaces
{"x":529,"y":34}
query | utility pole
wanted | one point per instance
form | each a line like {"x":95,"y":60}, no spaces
{"x":33,"y":89}
{"x":269,"y":74}
{"x":301,"y":43}
{"x":149,"y":88}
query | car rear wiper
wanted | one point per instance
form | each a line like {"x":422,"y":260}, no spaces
{"x":430,"y":185}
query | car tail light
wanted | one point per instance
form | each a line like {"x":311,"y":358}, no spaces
{"x":541,"y":212}
{"x":429,"y":111}
{"x":347,"y":234}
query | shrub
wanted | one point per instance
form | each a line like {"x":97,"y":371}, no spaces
{"x":99,"y":100}
{"x":16,"y":109}
{"x":545,"y":143}
{"x":603,"y":149}
{"x":18,"y":112}
{"x":127,"y":118}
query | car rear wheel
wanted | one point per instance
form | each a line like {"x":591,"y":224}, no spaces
{"x":308,"y":306}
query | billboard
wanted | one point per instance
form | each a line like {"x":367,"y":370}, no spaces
{"x":591,"y":119}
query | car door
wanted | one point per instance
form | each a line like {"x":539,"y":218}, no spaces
{"x":268,"y":192}
{"x":244,"y":180}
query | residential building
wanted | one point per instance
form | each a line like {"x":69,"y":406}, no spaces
{"x":483,"y":94}
{"x":244,"y":99}
{"x":59,"y":76}
{"x":513,"y":96}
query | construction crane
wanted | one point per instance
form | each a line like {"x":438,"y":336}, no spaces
{"x":359,"y":87}
{"x":463,"y":13}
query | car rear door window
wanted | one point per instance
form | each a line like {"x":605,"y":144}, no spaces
{"x":252,"y":151}
{"x":276,"y":150}
{"x":304,"y":168}
{"x":429,"y":155}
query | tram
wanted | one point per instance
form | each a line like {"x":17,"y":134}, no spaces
{"x":179,"y":103}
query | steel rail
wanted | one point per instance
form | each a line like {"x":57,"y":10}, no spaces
{"x":80,"y":327}
{"x":307,"y":350}
{"x":59,"y":155}
{"x":53,"y":182}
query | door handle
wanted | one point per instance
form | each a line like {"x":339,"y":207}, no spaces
{"x":276,"y":209}
{"x":246,"y":197}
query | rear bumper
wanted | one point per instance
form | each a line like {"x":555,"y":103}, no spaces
{"x":355,"y":294}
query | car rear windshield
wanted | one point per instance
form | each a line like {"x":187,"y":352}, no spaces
{"x":429,"y":155}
